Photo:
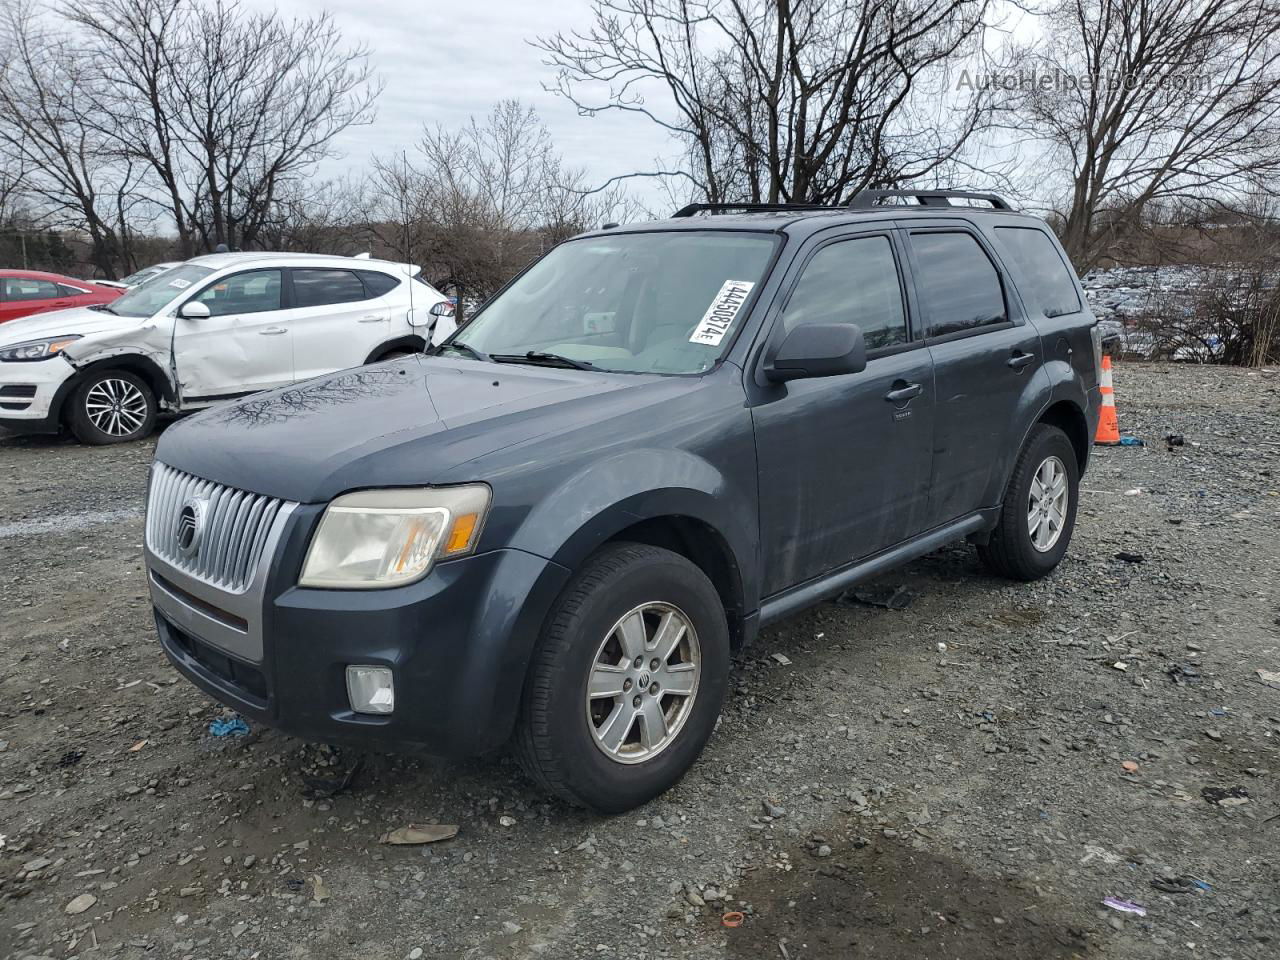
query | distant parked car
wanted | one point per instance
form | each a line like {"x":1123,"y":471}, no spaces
{"x":24,"y":292}
{"x":140,"y":276}
{"x":210,"y":329}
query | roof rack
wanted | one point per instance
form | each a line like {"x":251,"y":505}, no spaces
{"x":692,"y":208}
{"x":927,"y":198}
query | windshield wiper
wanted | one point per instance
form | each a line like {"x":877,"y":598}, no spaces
{"x":539,"y":356}
{"x":105,"y":308}
{"x":467,"y":349}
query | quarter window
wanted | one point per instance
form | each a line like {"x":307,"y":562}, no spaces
{"x":254,"y":292}
{"x":67,"y":291}
{"x":316,"y":288}
{"x":853,"y":281}
{"x":1046,"y":272}
{"x":26,"y":288}
{"x":958,"y":284}
{"x":378,"y":284}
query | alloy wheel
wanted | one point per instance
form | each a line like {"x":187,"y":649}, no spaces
{"x":1047,"y":505}
{"x":116,"y":407}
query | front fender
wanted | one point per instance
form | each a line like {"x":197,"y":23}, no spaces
{"x":609,"y":495}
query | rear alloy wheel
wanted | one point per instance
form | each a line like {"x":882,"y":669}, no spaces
{"x":627,"y":680}
{"x":112,"y":406}
{"x":1039,"y":510}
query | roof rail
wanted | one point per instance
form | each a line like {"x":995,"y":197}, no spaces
{"x":927,"y":198}
{"x":692,"y":208}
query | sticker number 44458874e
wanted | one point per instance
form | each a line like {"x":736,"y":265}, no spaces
{"x":715,"y":323}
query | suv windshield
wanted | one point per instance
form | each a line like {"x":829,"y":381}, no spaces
{"x":634,"y":302}
{"x":149,"y":298}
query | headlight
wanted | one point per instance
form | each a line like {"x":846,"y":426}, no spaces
{"x":386,"y":538}
{"x":38,"y":349}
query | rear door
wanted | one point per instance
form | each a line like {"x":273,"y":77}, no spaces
{"x":985,"y":355}
{"x":844,"y":461}
{"x":24,"y":296}
{"x":243,"y":346}
{"x":337,"y":320}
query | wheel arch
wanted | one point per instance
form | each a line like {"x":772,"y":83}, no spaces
{"x":150,"y":372}
{"x":407,"y":342}
{"x":1070,"y":419}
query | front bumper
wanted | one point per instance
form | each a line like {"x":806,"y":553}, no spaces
{"x":458,"y":643}
{"x":31,"y":394}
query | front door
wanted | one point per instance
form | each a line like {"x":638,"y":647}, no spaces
{"x":985,"y":355}
{"x":844,"y":461}
{"x":244,"y":345}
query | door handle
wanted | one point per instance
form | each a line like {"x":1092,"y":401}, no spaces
{"x":272,"y":332}
{"x":904,"y":392}
{"x":372,"y":318}
{"x":1020,"y":359}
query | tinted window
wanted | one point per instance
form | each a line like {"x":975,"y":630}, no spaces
{"x":23,"y":288}
{"x":315,"y":288}
{"x":1046,"y":272}
{"x":854,"y":281}
{"x":377,"y":284}
{"x":958,"y":284}
{"x":254,"y":292}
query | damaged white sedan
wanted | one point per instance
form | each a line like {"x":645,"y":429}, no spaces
{"x":210,"y":329}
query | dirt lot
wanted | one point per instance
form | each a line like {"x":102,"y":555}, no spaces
{"x":870,"y":792}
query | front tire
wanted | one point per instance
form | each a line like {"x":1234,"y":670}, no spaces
{"x":1038,"y":515}
{"x":112,"y":406}
{"x":627,"y":680}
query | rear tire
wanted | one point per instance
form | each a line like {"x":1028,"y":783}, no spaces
{"x":1035,"y":525}
{"x":112,"y":406}
{"x":613,"y":749}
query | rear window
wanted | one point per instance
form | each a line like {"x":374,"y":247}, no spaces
{"x":29,"y":288}
{"x":1046,"y":273}
{"x":959,"y":286}
{"x":317,"y":288}
{"x":378,"y":284}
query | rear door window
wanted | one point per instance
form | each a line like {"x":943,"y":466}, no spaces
{"x":26,"y":288}
{"x":68,"y":291}
{"x":958,"y":285}
{"x":852,"y":281}
{"x":1046,"y":273}
{"x":317,"y":288}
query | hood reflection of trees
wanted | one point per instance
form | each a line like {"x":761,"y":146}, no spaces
{"x":315,"y":395}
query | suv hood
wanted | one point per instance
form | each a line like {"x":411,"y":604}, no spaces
{"x":400,"y":423}
{"x":55,"y":323}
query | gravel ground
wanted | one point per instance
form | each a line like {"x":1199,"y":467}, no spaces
{"x":968,"y":777}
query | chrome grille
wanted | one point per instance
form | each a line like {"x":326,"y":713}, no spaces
{"x":233,"y":527}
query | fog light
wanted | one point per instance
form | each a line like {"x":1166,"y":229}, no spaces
{"x":371,"y":689}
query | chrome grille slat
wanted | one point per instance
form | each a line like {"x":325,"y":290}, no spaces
{"x":237,"y":526}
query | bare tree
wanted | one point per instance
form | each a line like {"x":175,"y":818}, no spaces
{"x":784,"y":100}
{"x":225,"y":107}
{"x":48,"y":128}
{"x":1153,"y":102}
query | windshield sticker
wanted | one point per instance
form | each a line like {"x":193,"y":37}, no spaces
{"x":715,"y":323}
{"x":180,"y":283}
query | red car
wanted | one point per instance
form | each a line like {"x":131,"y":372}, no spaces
{"x":24,"y":292}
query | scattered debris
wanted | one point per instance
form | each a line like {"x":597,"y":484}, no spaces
{"x":888,"y":596}
{"x":1225,"y":796}
{"x":1179,"y":884}
{"x":1124,"y":906}
{"x":329,"y":787}
{"x":1136,"y":491}
{"x":1128,"y":557}
{"x":782,"y":658}
{"x":1270,"y":677}
{"x":319,"y":892}
{"x":70,"y":758}
{"x":138,"y":746}
{"x":506,"y":821}
{"x":232,"y":726}
{"x":1174,"y":440}
{"x":413,"y":834}
{"x":733,"y":918}
{"x":1130,"y":441}
{"x":1130,"y":766}
{"x":1184,"y":673}
{"x":80,"y":904}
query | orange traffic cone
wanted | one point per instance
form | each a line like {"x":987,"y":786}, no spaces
{"x":1108,"y":434}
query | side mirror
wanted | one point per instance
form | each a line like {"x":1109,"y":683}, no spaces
{"x":194,"y":310}
{"x":442,"y":309}
{"x":818,"y":350}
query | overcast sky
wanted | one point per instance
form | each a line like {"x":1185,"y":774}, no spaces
{"x":444,"y":61}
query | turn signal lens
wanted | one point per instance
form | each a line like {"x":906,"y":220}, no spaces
{"x":460,"y":537}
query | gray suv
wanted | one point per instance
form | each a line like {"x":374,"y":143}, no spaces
{"x":556,"y":529}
